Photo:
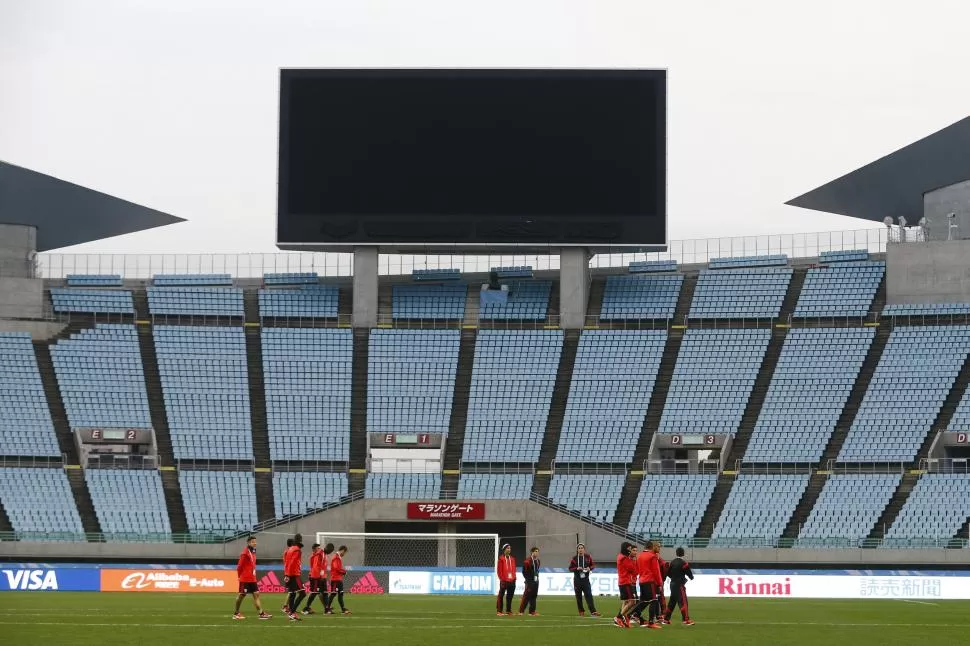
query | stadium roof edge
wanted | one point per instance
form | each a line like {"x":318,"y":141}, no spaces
{"x":894,"y":185}
{"x":67,"y":214}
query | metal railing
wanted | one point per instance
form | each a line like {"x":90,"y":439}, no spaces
{"x":254,"y":265}
{"x":866,"y":467}
{"x":273,"y":523}
{"x":945,"y":465}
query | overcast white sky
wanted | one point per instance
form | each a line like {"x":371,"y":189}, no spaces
{"x":173,"y":103}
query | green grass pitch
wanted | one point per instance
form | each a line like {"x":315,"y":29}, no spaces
{"x":69,"y":618}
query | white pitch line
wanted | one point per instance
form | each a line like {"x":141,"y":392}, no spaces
{"x":922,"y":603}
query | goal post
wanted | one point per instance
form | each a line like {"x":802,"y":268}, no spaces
{"x":416,"y":550}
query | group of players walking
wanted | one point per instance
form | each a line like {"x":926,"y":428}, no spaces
{"x":323,"y":568}
{"x":645,"y":568}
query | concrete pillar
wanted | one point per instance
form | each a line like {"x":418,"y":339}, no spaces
{"x":365,"y":287}
{"x":21,"y":295}
{"x":18,"y":245}
{"x":573,"y":287}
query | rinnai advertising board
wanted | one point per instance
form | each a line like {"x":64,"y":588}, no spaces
{"x":778,"y":585}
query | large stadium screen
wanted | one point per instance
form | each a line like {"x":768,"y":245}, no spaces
{"x":472,"y":157}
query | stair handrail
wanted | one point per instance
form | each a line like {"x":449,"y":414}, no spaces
{"x":271,"y":523}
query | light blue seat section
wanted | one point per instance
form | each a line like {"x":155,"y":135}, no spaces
{"x":759,"y":507}
{"x":810,"y":386}
{"x":205,"y":383}
{"x":297,"y":492}
{"x":291,"y":278}
{"x":307,"y":374}
{"x":443,"y":302}
{"x":436,"y":274}
{"x":196,"y":301}
{"x":739,"y":293}
{"x":39,"y":500}
{"x":655,"y":514}
{"x":612,"y":381}
{"x":102,"y":379}
{"x":184,"y":280}
{"x":926,"y":309}
{"x":648,"y":266}
{"x":712,"y":381}
{"x":218,"y":502}
{"x":516,"y":271}
{"x":98,"y":301}
{"x":94,"y":280}
{"x":840,"y":289}
{"x":129,"y":501}
{"x":640,"y":296}
{"x":409,"y":486}
{"x":772,"y":260}
{"x":918,"y":367}
{"x":26,"y":427}
{"x":495,"y":486}
{"x":936,"y":508}
{"x":411,"y":380}
{"x":848,"y":507}
{"x":595,"y":495}
{"x":528,"y":300}
{"x":511,"y":389}
{"x":307,"y":301}
{"x":847,"y":255}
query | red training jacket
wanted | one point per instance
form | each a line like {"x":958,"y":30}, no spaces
{"x":626,"y":570}
{"x":580,"y":562}
{"x":246,"y":567}
{"x":649,"y":568}
{"x":317,"y":565}
{"x":292,"y":561}
{"x":506,"y":568}
{"x":337,"y":570}
{"x":664,"y":568}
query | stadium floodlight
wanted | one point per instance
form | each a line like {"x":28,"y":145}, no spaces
{"x":470,"y":552}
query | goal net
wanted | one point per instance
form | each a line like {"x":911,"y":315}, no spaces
{"x":417,"y":550}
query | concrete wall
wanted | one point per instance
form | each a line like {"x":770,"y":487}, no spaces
{"x":949,"y":199}
{"x":928,"y":272}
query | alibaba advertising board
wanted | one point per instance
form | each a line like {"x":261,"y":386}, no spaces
{"x":149,"y":580}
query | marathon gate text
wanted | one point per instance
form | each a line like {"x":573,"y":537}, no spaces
{"x":803,"y":584}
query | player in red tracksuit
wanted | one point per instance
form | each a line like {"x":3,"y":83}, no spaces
{"x":506,"y":580}
{"x":626,"y":574}
{"x":337,"y":572}
{"x":246,"y":571}
{"x":292,"y":571}
{"x":648,"y":566}
{"x":318,"y":572}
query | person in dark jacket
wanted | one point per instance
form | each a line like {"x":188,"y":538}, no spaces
{"x":530,"y":572}
{"x":581,"y":566}
{"x":679,"y":572}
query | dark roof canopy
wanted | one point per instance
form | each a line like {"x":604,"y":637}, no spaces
{"x":67,"y":214}
{"x":895,"y":184}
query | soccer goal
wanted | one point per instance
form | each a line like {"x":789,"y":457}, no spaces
{"x":417,"y":550}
